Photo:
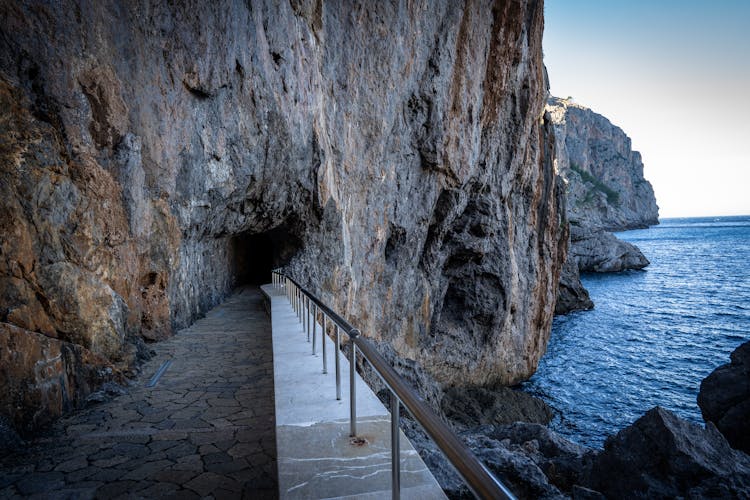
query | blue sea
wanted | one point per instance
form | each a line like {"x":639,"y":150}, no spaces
{"x":653,"y":334}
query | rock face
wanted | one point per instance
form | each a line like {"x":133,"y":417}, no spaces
{"x":44,"y":376}
{"x":605,"y":191}
{"x":572,"y":296}
{"x":658,"y":456}
{"x":472,"y":406}
{"x":599,"y":251}
{"x":392,"y":157}
{"x":724,"y":398}
{"x":605,"y":184}
{"x":663,"y":456}
{"x":531,"y":460}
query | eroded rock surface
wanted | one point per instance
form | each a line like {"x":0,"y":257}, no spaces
{"x":663,"y":456}
{"x":600,"y":251}
{"x":393,"y":157}
{"x":572,"y":295}
{"x":724,"y":398}
{"x":531,"y":460}
{"x":481,"y":405}
{"x":42,"y":377}
{"x":658,"y":456}
{"x":605,"y":183}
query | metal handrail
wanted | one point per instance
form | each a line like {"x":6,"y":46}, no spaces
{"x":479,"y":479}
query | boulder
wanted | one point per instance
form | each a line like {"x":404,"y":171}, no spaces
{"x":664,"y":456}
{"x":571,"y":295}
{"x":600,"y":251}
{"x":9,"y":438}
{"x":471,"y":406}
{"x":592,"y":250}
{"x":562,"y":461}
{"x":518,"y":472}
{"x":724,"y":398}
{"x":531,"y":460}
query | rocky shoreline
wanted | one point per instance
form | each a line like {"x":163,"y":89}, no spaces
{"x":605,"y":191}
{"x":658,"y":456}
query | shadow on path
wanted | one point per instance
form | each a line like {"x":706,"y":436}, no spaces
{"x":206,"y":428}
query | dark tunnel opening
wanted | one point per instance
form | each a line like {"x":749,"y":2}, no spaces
{"x":254,"y":255}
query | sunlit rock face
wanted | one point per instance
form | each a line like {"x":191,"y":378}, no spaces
{"x":605,"y":190}
{"x":395,"y":158}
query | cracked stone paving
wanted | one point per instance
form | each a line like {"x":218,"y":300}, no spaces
{"x":206,"y":429}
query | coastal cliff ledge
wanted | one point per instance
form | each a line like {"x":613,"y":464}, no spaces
{"x":605,"y":190}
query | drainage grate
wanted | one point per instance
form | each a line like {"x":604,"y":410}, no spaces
{"x":159,"y":373}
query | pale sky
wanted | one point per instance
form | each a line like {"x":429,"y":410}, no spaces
{"x":675,"y":76}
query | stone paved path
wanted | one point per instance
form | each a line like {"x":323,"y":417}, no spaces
{"x":207,"y":429}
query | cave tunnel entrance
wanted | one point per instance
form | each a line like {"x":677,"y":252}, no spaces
{"x":254,"y":255}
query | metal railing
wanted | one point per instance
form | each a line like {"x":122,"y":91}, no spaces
{"x":479,"y":479}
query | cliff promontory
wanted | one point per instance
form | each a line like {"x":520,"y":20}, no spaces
{"x":605,"y":191}
{"x":393,"y":157}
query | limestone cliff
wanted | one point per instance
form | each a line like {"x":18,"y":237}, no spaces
{"x":606,"y":188}
{"x":605,"y":191}
{"x":392,"y":156}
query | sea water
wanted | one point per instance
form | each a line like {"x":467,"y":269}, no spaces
{"x":653,"y":334}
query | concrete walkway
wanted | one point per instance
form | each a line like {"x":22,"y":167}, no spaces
{"x":206,"y":429}
{"x":316,"y":457}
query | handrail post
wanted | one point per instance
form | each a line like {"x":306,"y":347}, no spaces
{"x":323,"y":337}
{"x":313,"y":339}
{"x":338,"y":364}
{"x":315,"y":322}
{"x":307,"y":314}
{"x":353,"y":384}
{"x":395,"y":448}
